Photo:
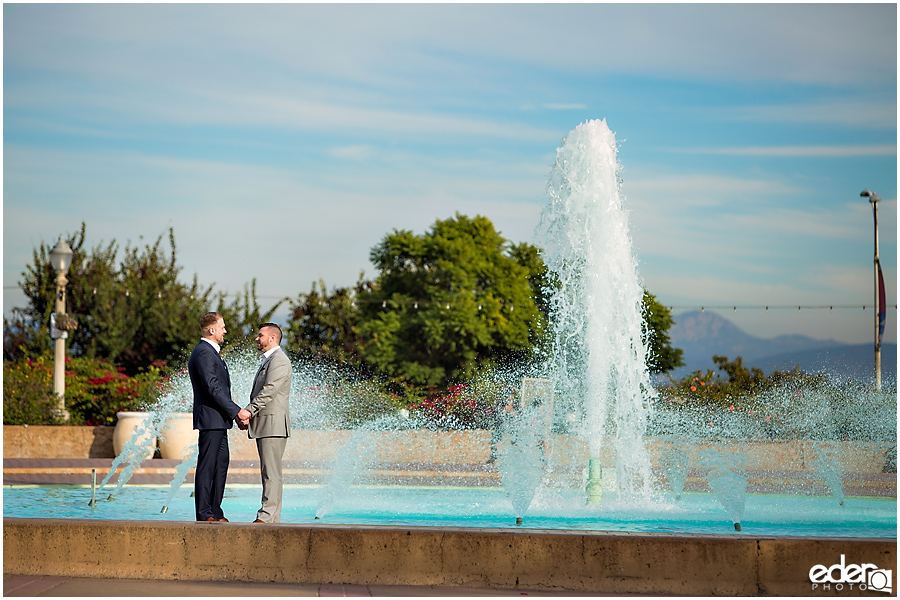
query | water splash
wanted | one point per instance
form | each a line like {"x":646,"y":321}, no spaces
{"x":181,"y":472}
{"x":598,"y":355}
{"x":352,"y":460}
{"x":825,"y":463}
{"x":522,"y":459}
{"x":134,"y":452}
{"x":727,"y":480}
{"x":674,"y":460}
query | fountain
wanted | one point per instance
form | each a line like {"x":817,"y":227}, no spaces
{"x":590,"y":445}
{"x":595,"y":467}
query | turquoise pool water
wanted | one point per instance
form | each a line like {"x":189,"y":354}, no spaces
{"x":764,"y":515}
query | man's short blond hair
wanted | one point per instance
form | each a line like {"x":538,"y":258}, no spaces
{"x":208,"y":320}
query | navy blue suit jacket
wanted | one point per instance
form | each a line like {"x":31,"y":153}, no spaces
{"x":213,"y":407}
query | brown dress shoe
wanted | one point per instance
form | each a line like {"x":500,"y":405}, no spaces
{"x":212,"y":520}
{"x":223,"y":520}
{"x":259,"y":521}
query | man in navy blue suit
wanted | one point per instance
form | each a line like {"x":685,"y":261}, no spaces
{"x":214,"y":414}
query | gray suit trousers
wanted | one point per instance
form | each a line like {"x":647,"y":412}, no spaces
{"x":271,"y":451}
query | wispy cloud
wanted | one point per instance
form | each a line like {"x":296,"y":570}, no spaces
{"x":337,"y":122}
{"x":703,"y":190}
{"x":875,"y":113}
{"x":565,"y":106}
{"x":796,"y":151}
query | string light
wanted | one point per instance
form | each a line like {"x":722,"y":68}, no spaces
{"x":800,"y":308}
{"x":446,"y":305}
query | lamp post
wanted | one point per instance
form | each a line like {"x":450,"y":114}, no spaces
{"x":873,"y":200}
{"x":60,"y":259}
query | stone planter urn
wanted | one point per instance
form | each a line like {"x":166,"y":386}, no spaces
{"x":177,"y":436}
{"x":127,"y":425}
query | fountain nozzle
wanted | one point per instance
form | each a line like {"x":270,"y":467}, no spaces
{"x":737,"y":526}
{"x":518,"y":520}
{"x":111,"y":497}
{"x":164,"y":510}
{"x":92,"y":503}
{"x":594,"y":488}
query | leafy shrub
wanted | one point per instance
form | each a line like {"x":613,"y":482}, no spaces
{"x":782,"y":405}
{"x":477,"y":405}
{"x":95,"y":390}
{"x":28,"y":397}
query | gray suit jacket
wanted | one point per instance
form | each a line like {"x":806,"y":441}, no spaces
{"x":268,"y":406}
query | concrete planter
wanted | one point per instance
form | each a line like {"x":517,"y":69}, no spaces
{"x":177,"y":436}
{"x":126,"y":426}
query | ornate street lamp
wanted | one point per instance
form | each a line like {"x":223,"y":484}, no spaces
{"x":60,"y":259}
{"x":880,"y":308}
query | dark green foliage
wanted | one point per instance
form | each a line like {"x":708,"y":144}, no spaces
{"x":400,"y":327}
{"x":663,"y":357}
{"x":326,"y":326}
{"x":131,"y":313}
{"x":28,"y":397}
{"x":741,"y":385}
{"x":449,"y":301}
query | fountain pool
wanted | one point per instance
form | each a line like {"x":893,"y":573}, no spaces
{"x":413,"y":506}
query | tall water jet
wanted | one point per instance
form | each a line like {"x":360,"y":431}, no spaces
{"x":599,"y":355}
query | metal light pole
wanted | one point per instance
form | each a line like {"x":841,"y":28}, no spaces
{"x":873,"y":200}
{"x":60,"y":259}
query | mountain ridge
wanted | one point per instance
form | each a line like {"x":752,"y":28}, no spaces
{"x":702,"y":334}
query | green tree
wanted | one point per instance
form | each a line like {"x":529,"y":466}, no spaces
{"x":448,"y":302}
{"x":663,"y":357}
{"x":324,"y":325}
{"x":132,"y":312}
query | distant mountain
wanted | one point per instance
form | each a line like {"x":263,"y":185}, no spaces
{"x":857,"y":361}
{"x":704,"y":334}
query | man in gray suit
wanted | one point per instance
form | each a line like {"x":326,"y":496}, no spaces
{"x":269,"y":421}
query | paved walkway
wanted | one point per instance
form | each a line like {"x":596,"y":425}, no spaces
{"x":24,"y":585}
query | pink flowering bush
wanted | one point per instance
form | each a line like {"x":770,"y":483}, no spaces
{"x":95,"y":390}
{"x":460,"y":407}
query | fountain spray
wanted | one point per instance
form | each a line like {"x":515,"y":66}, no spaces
{"x":599,"y":354}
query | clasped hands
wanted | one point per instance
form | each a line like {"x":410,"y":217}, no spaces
{"x":243,"y":419}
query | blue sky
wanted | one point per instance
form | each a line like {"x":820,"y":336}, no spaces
{"x":283,"y":141}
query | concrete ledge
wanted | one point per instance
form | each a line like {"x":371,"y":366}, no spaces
{"x":57,"y":441}
{"x":492,"y":558}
